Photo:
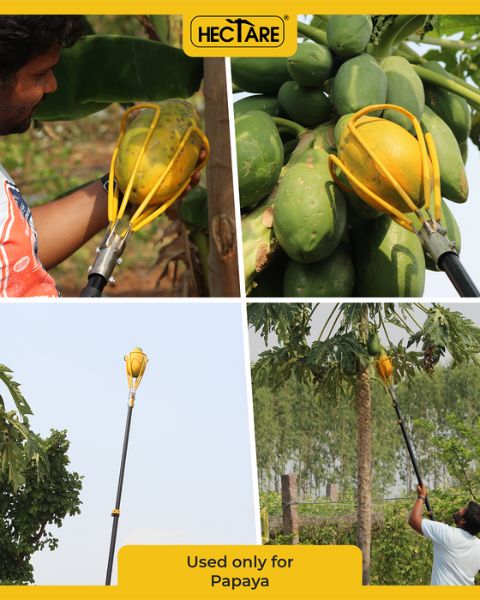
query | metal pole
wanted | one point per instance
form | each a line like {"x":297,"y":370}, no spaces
{"x":409,"y":447}
{"x":116,"y":510}
{"x":451,"y":265}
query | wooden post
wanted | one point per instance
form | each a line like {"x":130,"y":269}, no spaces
{"x":289,"y":506}
{"x":332,"y":492}
{"x":222,"y":259}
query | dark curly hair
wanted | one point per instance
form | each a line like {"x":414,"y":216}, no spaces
{"x":22,"y":37}
{"x":472,"y":518}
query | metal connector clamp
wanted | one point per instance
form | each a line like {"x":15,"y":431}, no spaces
{"x":435,"y":241}
{"x":108,"y":255}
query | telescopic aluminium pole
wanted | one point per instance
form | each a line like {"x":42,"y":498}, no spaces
{"x":136,"y":363}
{"x":408,"y":444}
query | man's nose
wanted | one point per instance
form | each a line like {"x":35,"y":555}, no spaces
{"x":51,"y":84}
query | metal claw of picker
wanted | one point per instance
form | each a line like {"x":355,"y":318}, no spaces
{"x":122,"y":224}
{"x":432,"y":233}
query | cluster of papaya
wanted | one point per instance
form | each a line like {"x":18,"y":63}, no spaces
{"x":304,"y":236}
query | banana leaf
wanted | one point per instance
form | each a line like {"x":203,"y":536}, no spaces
{"x":102,"y":69}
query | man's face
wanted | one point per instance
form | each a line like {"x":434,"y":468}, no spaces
{"x":24,"y":91}
{"x":458,"y":516}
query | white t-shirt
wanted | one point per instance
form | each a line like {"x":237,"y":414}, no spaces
{"x":456,"y":554}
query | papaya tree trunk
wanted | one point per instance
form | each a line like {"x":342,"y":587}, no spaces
{"x":363,"y":406}
{"x":223,"y":259}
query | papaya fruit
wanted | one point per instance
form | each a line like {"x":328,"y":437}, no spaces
{"x":259,"y":75}
{"x":259,"y":156}
{"x":464,"y":151}
{"x":384,"y":366}
{"x":453,"y":178}
{"x":258,"y":240}
{"x":136,"y":362}
{"x":389,"y":260}
{"x":331,"y":277}
{"x":264,"y":102}
{"x":311,"y":64}
{"x":307,"y":106}
{"x":359,"y":82}
{"x":176,"y":117}
{"x":451,"y":108}
{"x":404,"y":88}
{"x":340,"y":127}
{"x":373,"y":344}
{"x":453,"y":231}
{"x":348,"y":35}
{"x":309,"y":209}
{"x":397,"y":149}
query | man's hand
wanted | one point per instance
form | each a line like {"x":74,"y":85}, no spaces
{"x":415,"y":518}
{"x":422,"y":491}
{"x":171,"y":212}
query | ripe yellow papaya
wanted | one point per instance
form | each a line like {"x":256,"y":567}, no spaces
{"x":384,"y":367}
{"x":176,"y":117}
{"x":396,"y":148}
{"x":136,"y":362}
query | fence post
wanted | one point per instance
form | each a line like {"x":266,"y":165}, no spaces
{"x":289,"y":507}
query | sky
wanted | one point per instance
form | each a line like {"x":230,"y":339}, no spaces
{"x":189,"y":477}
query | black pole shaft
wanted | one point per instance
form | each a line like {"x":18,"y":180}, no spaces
{"x":409,"y":447}
{"x":116,"y":510}
{"x":450,"y":263}
{"x":94,"y":287}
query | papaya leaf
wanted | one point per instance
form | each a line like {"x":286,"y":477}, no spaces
{"x":14,"y":389}
{"x":450,"y":24}
{"x":285,"y":320}
{"x":101,"y":69}
{"x":194,"y":208}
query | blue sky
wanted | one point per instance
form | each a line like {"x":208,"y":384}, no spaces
{"x":188,"y":474}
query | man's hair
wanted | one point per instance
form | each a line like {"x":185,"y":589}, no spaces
{"x":472,"y":518}
{"x":23,"y":37}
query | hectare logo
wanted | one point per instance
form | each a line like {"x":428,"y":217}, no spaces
{"x":227,"y":32}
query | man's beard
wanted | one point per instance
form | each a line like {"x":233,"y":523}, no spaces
{"x":12,"y":116}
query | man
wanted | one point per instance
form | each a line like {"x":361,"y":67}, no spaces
{"x":33,"y":241}
{"x":456,"y":550}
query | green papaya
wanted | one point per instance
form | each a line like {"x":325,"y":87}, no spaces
{"x":331,"y":277}
{"x":309,"y":209}
{"x":464,"y":151}
{"x":374,"y":347}
{"x":259,"y":75}
{"x":340,"y":127}
{"x":404,"y":88}
{"x":311,"y":64}
{"x":451,"y":108}
{"x":389,"y":260}
{"x":359,"y":82}
{"x":268,"y":104}
{"x":259,"y":156}
{"x":307,"y":106}
{"x":453,"y":231}
{"x":258,"y":241}
{"x":348,"y":35}
{"x":453,"y":177}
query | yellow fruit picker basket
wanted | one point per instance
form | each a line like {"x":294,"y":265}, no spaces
{"x":397,"y":173}
{"x":155,"y":157}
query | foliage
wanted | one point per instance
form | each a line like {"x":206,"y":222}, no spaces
{"x":36,"y":488}
{"x":399,"y":555}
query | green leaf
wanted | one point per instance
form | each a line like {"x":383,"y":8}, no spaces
{"x":160,"y":24}
{"x":449,"y":24}
{"x":14,"y":389}
{"x":101,"y":69}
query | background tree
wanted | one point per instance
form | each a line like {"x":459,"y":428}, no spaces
{"x":36,"y":487}
{"x":339,"y":364}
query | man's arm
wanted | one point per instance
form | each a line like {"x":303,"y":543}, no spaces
{"x":66,"y":224}
{"x":416,"y":514}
